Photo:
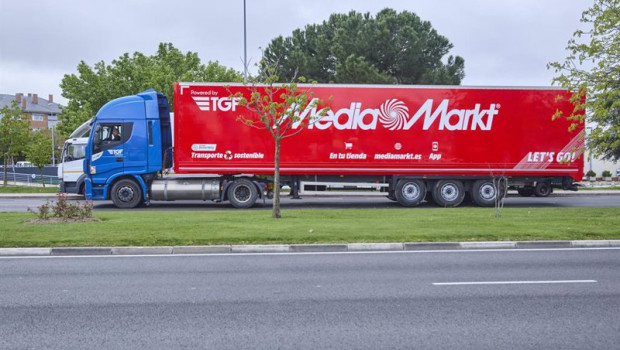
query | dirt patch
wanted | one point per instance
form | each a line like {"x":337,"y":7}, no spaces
{"x":55,"y":220}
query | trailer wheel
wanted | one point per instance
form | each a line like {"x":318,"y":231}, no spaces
{"x":410,"y":193}
{"x":526,"y":191}
{"x":543,"y":189}
{"x":483,"y":193}
{"x":126,"y":194}
{"x":448,"y":193}
{"x":242,"y":193}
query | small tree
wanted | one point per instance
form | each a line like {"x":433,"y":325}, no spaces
{"x":592,"y":71}
{"x":275,"y":107}
{"x":14,"y":132}
{"x":38,"y":150}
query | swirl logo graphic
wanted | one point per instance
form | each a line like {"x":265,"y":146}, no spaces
{"x":393,"y":114}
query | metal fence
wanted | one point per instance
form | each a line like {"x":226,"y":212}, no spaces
{"x":28,"y":179}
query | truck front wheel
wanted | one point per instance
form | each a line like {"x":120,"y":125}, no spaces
{"x":410,"y":193}
{"x":448,"y":193}
{"x":126,"y":194}
{"x":242,"y":193}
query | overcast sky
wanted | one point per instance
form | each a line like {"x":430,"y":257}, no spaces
{"x":503,"y":42}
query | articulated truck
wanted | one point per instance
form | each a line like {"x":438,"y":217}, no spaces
{"x":411,"y":143}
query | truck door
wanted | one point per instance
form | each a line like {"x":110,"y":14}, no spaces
{"x":108,"y":153}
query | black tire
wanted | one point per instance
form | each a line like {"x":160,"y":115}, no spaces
{"x":484,"y":193}
{"x":543,"y":189}
{"x":526,"y":191}
{"x":410,"y":193}
{"x":448,"y":193}
{"x":126,"y":194}
{"x":242,"y":193}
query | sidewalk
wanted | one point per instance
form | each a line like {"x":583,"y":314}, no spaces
{"x":306,"y":248}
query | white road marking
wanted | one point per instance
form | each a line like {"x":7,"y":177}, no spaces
{"x":510,"y":282}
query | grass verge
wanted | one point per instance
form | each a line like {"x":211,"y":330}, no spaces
{"x":146,"y":228}
{"x":614,"y":188}
{"x":28,"y":189}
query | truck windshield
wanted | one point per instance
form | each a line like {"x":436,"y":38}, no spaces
{"x":73,"y":152}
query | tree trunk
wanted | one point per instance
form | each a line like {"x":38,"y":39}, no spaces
{"x":276,"y":181}
{"x":42,"y":179}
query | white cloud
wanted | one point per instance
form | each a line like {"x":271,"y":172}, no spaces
{"x":504,"y":42}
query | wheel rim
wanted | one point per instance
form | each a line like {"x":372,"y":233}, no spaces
{"x":449,"y":192}
{"x":242,"y":193}
{"x":126,"y":194}
{"x":487,"y":192}
{"x":411,"y":191}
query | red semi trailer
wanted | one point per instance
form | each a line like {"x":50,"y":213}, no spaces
{"x":411,"y":143}
{"x":444,"y":141}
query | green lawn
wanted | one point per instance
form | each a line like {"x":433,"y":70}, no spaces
{"x":28,"y":189}
{"x":151,"y":227}
{"x":615,"y":188}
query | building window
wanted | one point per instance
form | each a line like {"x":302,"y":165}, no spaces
{"x":37,"y":117}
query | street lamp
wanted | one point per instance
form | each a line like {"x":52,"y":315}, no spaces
{"x":245,"y":48}
{"x":53,"y":155}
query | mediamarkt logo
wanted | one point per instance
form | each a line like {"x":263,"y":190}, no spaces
{"x":394,"y":115}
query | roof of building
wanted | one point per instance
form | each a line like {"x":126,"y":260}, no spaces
{"x":43,"y":106}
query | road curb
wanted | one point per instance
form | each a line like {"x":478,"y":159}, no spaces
{"x":25,"y":251}
{"x":81,"y":251}
{"x":141,"y":250}
{"x":488,"y":245}
{"x":305,"y":248}
{"x":544,"y":244}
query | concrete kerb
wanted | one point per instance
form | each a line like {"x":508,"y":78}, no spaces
{"x":595,"y":243}
{"x":301,"y":248}
{"x":141,"y":250}
{"x":25,"y":251}
{"x":81,"y":251}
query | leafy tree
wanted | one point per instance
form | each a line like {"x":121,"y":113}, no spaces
{"x":390,"y":48}
{"x":14,"y":132}
{"x":592,"y":71}
{"x":94,"y":86}
{"x":275,"y":108}
{"x":38,"y":149}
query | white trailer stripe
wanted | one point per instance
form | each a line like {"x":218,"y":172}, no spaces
{"x":395,"y":170}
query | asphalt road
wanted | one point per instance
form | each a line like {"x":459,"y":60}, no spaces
{"x":309,"y":202}
{"x":546,"y":299}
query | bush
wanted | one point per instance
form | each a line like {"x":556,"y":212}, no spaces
{"x":591,"y":173}
{"x":64,"y":210}
{"x":606,"y":173}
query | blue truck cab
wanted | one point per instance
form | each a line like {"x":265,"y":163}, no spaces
{"x":130,"y":142}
